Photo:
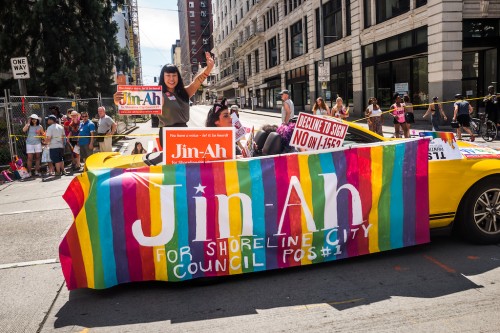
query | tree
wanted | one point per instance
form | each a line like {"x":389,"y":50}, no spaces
{"x":70,"y":45}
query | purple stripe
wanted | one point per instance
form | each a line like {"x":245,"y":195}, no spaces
{"x":193,"y":179}
{"x":118,"y":223}
{"x":271,"y":206}
{"x":339,"y":160}
{"x":409,"y":191}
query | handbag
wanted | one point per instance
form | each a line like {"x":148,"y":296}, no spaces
{"x":45,"y":155}
{"x":454,"y":124}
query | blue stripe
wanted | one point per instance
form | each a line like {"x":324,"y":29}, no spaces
{"x":397,"y":203}
{"x":181,"y":213}
{"x":105,"y":227}
{"x":258,"y":212}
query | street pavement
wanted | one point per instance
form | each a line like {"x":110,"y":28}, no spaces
{"x":444,"y":286}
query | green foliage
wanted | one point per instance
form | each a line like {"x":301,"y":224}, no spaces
{"x":70,"y":45}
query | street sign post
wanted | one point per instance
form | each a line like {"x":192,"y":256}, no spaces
{"x":20,"y":68}
{"x":324,"y":72}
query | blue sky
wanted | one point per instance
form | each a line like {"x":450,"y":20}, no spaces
{"x":158,"y":29}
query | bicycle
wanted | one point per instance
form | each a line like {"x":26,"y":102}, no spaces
{"x":484,"y":127}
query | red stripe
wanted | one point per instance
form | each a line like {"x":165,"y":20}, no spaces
{"x":281,"y":172}
{"x":74,"y":196}
{"x":295,"y":212}
{"x":365,"y":191}
{"x":67,"y":265}
{"x":143,"y":207}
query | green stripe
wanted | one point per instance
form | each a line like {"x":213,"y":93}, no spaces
{"x":169,"y":178}
{"x":384,"y":207}
{"x":318,"y":200}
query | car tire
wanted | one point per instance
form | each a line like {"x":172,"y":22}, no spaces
{"x":479,"y":216}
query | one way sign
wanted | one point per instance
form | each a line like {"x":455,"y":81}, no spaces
{"x":20,"y":68}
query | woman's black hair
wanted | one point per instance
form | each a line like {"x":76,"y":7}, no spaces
{"x":179,"y":89}
{"x":214,"y":113}
{"x":37,"y":121}
{"x":135,"y":151}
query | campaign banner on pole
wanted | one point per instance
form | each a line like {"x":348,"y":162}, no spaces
{"x":193,"y":145}
{"x":139,"y":100}
{"x":317,"y":132}
{"x":185,"y":221}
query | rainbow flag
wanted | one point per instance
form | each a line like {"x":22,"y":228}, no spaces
{"x":180,"y":222}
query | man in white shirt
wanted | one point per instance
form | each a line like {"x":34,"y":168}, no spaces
{"x":287,"y":110}
{"x":55,"y":138}
{"x":106,"y":127}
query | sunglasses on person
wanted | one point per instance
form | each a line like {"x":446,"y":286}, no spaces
{"x":85,"y":116}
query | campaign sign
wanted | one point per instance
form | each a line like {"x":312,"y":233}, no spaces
{"x":480,"y":152}
{"x":240,"y":130}
{"x":194,"y":145}
{"x":138,"y":100}
{"x":316,"y":132}
{"x":443,"y":146}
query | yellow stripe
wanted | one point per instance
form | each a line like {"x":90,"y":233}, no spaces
{"x":306,"y":183}
{"x":377,"y":158}
{"x":84,"y":234}
{"x":160,"y":258}
{"x":235,"y":222}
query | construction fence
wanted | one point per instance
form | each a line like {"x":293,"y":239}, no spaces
{"x":15,"y":111}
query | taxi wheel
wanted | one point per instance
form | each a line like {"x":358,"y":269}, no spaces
{"x":480,"y":213}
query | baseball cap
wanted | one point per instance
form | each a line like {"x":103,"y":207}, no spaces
{"x":34,"y":116}
{"x":54,"y":118}
{"x":285,"y":91}
{"x":458,"y":96}
{"x":435,"y":98}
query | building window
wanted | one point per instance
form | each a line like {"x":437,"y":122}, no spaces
{"x":249,"y":57}
{"x":191,"y":4}
{"x":256,"y":57}
{"x":332,"y":22}
{"x":387,"y":9}
{"x":347,"y":17}
{"x":367,"y":4}
{"x":203,"y":13}
{"x":272,"y":56}
{"x":297,"y":39}
{"x":421,"y":3}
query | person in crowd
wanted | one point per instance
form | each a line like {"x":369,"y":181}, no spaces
{"x":234,"y":109}
{"x":287,"y":109}
{"x":398,"y":112}
{"x":33,"y":142}
{"x":54,"y":110}
{"x":339,"y":110}
{"x":138,"y":149}
{"x":67,"y":121}
{"x":409,"y":115}
{"x":219,"y":116}
{"x":374,"y":114}
{"x":320,"y":108}
{"x":55,"y":139}
{"x":492,"y":106}
{"x":435,"y":110}
{"x":73,"y":133}
{"x":106,"y":128}
{"x":86,"y":137}
{"x":461,"y":113}
{"x":175,"y":109}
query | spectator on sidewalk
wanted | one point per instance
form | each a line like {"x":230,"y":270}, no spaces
{"x":105,"y":129}
{"x":234,"y":109}
{"x":54,"y":110}
{"x":492,"y":106}
{"x":320,"y":108}
{"x":435,"y":110}
{"x":339,"y":110}
{"x":409,"y":115}
{"x":73,"y":132}
{"x":86,"y":137}
{"x":461,"y":113}
{"x":398,"y":112}
{"x":374,"y":114}
{"x":288,"y":109}
{"x":33,"y":142}
{"x":55,"y":138}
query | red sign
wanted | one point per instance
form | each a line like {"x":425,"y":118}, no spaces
{"x":194,"y":145}
{"x":318,"y":132}
{"x":138,"y":100}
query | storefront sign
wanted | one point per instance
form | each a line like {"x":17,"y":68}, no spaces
{"x":316,"y":132}
{"x":401,"y":88}
{"x":192,"y":145}
{"x":138,"y":100}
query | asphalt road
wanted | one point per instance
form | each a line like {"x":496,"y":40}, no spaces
{"x":444,"y":286}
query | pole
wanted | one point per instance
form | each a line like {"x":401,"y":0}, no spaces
{"x":322,"y":40}
{"x":8,"y":109}
{"x":22,"y":87}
